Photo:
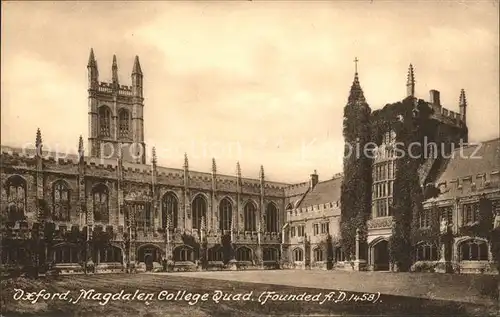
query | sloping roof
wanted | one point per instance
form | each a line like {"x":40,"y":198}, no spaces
{"x":470,"y":161}
{"x":324,"y":192}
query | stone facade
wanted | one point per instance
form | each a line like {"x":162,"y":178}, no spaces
{"x":109,"y":211}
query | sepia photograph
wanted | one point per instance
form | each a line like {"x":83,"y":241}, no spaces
{"x":250,"y":158}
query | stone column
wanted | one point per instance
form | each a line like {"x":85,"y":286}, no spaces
{"x":357,"y":244}
{"x":359,"y":264}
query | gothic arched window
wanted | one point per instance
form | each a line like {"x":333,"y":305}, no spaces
{"x":318,"y":255}
{"x":339,"y":255}
{"x":183,"y":254}
{"x":66,"y":254}
{"x":298,"y":255}
{"x":110,"y":254}
{"x":244,"y":254}
{"x":270,"y":254}
{"x":215,"y":254}
{"x":225,"y":213}
{"x":271,"y":218}
{"x":199,"y":210}
{"x":169,"y":211}
{"x":426,"y":252}
{"x":61,"y":199}
{"x":16,"y":198}
{"x":124,"y":122}
{"x":104,"y":121}
{"x":100,"y":195}
{"x":474,"y":250}
{"x":250,"y":217}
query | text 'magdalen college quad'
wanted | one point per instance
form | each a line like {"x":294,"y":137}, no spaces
{"x":108,"y":210}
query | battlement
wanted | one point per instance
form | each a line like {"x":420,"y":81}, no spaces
{"x":123,"y":90}
{"x":447,"y":116}
{"x":26,"y":158}
{"x":332,"y":208}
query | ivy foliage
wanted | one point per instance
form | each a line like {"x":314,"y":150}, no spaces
{"x":356,"y":184}
{"x":411,"y":122}
{"x":227,"y":248}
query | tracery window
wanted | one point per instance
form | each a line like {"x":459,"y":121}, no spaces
{"x":225,"y":213}
{"x":104,"y":121}
{"x":473,"y":250}
{"x":100,"y":196}
{"x":169,"y":211}
{"x":199,"y":210}
{"x":16,"y":198}
{"x":250,"y":213}
{"x":271,"y":218}
{"x":61,"y":201}
{"x":124,"y":122}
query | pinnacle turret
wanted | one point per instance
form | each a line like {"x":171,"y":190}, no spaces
{"x":137,"y":67}
{"x":410,"y":82}
{"x":356,"y":93}
{"x":153,"y":156}
{"x":186,"y":162}
{"x":92,"y":61}
{"x":238,"y":169}
{"x":114,"y":70}
{"x":38,"y":142}
{"x":462,"y":103}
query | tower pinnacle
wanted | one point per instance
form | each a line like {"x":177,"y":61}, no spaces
{"x":186,"y":162}
{"x":410,"y":82}
{"x":38,"y":142}
{"x":356,"y":94}
{"x":92,"y":62}
{"x":114,"y":69}
{"x":462,"y":103}
{"x":137,"y":67}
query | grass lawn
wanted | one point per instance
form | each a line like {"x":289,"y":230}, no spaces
{"x":155,"y":284}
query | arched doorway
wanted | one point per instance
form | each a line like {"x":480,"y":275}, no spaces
{"x":148,"y":260}
{"x":381,"y":256}
{"x":148,"y":254}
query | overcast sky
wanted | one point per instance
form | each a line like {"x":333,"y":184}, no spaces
{"x":255,"y":82}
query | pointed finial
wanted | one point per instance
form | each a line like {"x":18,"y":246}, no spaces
{"x":214,"y":166}
{"x":92,"y":62}
{"x":238,"y":169}
{"x":38,"y":142}
{"x":114,"y":69}
{"x":80,"y":146}
{"x":356,"y":60}
{"x":186,"y":163}
{"x":153,"y":156}
{"x":137,"y":67}
{"x":463,"y":100}
{"x":261,"y":174}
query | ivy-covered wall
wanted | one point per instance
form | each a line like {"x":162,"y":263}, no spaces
{"x":356,"y":185}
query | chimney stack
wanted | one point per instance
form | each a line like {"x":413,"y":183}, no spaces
{"x":314,"y":179}
{"x":435,"y":97}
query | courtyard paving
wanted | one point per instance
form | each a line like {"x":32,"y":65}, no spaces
{"x":468,"y":288}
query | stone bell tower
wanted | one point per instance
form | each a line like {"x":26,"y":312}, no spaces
{"x":116,"y":114}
